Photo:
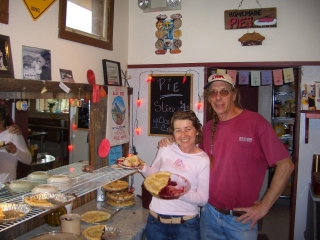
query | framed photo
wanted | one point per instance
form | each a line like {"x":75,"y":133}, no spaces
{"x":111,"y":73}
{"x":6,"y":66}
{"x":66,"y":75}
{"x":36,"y":63}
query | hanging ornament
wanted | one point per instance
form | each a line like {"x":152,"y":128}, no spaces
{"x":104,"y":148}
{"x":137,"y":130}
{"x":74,"y":126}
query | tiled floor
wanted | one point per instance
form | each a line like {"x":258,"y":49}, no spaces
{"x":276,"y":223}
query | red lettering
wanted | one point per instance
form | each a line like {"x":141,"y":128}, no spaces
{"x":245,"y":22}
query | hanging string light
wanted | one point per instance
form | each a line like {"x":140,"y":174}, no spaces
{"x":149,"y":77}
{"x":138,"y":101}
{"x":199,"y":102}
{"x":184,"y":79}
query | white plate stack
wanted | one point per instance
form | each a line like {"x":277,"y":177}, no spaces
{"x":20,"y":186}
{"x":45,"y":188}
{"x":63,"y":182}
{"x":38,"y":177}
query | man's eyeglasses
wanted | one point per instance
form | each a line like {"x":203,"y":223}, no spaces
{"x":223,"y":93}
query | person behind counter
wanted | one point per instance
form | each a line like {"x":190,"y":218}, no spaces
{"x":179,"y":218}
{"x":15,"y":147}
{"x":241,"y":145}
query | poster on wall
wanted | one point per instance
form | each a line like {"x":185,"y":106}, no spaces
{"x":250,"y":18}
{"x":117,"y":125}
{"x":36,"y":63}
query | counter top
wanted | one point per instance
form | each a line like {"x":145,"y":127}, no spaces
{"x":83,"y":185}
{"x":131,"y":221}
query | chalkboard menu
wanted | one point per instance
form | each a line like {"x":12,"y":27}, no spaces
{"x":83,"y":116}
{"x":167,"y":94}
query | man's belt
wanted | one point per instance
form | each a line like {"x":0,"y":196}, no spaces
{"x":171,"y":219}
{"x":230,"y":212}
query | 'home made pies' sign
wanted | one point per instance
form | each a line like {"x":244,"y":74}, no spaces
{"x":250,"y":18}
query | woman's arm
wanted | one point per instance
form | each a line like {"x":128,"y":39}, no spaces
{"x":22,"y":152}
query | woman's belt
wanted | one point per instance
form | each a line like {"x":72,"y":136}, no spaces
{"x":171,"y":219}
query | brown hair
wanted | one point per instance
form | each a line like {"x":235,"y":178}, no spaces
{"x":187,"y":115}
{"x":4,"y":115}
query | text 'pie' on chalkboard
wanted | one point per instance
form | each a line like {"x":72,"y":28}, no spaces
{"x":167,"y":94}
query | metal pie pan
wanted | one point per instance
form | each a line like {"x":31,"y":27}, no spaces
{"x":14,"y":211}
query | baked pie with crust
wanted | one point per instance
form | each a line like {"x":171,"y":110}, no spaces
{"x":124,"y":195}
{"x":117,"y":185}
{"x":166,"y":185}
{"x":132,"y":161}
{"x":95,"y":216}
{"x":93,"y":232}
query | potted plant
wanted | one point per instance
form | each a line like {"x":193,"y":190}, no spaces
{"x":51,"y":105}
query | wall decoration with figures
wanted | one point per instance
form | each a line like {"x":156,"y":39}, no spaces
{"x":168,"y":34}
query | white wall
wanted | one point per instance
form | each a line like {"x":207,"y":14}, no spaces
{"x":204,"y":38}
{"x":65,"y":54}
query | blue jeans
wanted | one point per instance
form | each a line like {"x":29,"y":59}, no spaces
{"x":155,"y":230}
{"x":217,"y":226}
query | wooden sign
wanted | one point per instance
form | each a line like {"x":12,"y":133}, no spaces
{"x":250,"y":18}
{"x":167,"y":94}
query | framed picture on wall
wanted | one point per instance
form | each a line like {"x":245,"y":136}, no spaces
{"x":6,"y":66}
{"x":111,"y":72}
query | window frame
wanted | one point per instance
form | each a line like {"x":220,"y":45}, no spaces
{"x":85,"y":39}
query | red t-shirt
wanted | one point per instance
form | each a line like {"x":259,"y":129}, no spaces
{"x":243,"y":148}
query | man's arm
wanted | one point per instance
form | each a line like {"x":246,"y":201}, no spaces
{"x":279,"y":181}
{"x":14,"y":129}
{"x":166,"y":141}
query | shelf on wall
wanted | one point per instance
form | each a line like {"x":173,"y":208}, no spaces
{"x":309,"y":114}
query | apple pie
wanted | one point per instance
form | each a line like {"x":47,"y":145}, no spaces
{"x":132,"y":161}
{"x":93,"y":232}
{"x":123,"y":195}
{"x":1,"y":214}
{"x":117,"y":185}
{"x":95,"y":216}
{"x":37,"y":202}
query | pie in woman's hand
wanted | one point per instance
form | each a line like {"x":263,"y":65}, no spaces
{"x":154,"y":183}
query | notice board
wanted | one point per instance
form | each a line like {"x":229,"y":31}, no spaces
{"x":83,"y":116}
{"x":167,"y":94}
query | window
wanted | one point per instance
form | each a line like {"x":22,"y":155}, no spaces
{"x":87,"y":21}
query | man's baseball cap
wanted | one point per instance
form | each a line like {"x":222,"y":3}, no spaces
{"x":219,"y":77}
